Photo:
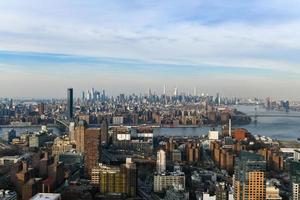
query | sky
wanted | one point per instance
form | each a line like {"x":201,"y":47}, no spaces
{"x":235,"y":47}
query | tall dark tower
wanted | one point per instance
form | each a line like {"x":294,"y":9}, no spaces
{"x":70,"y":103}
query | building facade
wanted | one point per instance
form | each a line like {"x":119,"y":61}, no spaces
{"x":249,"y":177}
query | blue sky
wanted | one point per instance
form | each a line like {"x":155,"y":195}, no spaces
{"x":238,"y":47}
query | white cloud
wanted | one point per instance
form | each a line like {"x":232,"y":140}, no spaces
{"x":179,"y":32}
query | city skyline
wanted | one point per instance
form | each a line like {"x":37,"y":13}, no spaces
{"x":243,"y":49}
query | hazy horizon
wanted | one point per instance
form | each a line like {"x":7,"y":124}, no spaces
{"x":237,"y":48}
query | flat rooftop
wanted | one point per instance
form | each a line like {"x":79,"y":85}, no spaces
{"x":46,"y":196}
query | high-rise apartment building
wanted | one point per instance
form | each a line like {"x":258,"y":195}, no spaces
{"x":79,"y":133}
{"x":70,"y":103}
{"x":161,"y":161}
{"x":41,"y":108}
{"x":116,"y":179}
{"x":294,"y":174}
{"x":92,"y":148}
{"x":249,"y":177}
{"x":104,"y":131}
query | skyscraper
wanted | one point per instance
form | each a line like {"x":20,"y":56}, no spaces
{"x":294,"y":174}
{"x":70,"y":103}
{"x":104,"y":131}
{"x":249,"y":177}
{"x":161,"y":161}
{"x":92,"y":149}
{"x":41,"y":108}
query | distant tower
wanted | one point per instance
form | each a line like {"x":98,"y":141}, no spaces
{"x":195,"y":91}
{"x":161,"y":161}
{"x":104,"y":131}
{"x":149,"y":93}
{"x":70,"y":104}
{"x":83,"y":96}
{"x":165,"y":89}
{"x":229,"y":126}
{"x":175,"y":91}
{"x":41,"y":108}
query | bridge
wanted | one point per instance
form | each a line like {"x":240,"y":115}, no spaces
{"x":63,"y":124}
{"x":266,"y":115}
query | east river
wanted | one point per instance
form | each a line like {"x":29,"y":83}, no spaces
{"x":285,"y":127}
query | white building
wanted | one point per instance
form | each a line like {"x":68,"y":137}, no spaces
{"x":123,"y":136}
{"x":272,"y":193}
{"x":297,"y":155}
{"x":117,"y":120}
{"x":207,"y":196}
{"x":46,"y":196}
{"x":213,"y":135}
{"x":9,"y":160}
{"x":295,"y":191}
{"x":161,"y":161}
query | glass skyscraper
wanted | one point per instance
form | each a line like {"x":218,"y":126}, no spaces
{"x":70,"y":103}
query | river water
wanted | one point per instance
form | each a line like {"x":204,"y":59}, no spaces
{"x":286,"y":128}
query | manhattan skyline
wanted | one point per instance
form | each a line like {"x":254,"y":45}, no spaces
{"x":244,"y":49}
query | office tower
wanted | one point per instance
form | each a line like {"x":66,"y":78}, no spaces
{"x":176,"y":92}
{"x":92,"y":149}
{"x":195,"y":91}
{"x":83,"y":96}
{"x":149,"y":92}
{"x":218,"y":99}
{"x":41,"y":108}
{"x":161,"y":161}
{"x":294,"y":174}
{"x":165,"y":89}
{"x":70,"y":104}
{"x":11,"y":103}
{"x":104,"y":131}
{"x":103,"y":95}
{"x":249,"y":177}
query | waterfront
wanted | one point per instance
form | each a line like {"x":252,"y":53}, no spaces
{"x":29,"y":129}
{"x":284,"y":127}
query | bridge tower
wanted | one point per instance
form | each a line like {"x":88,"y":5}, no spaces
{"x":255,"y":116}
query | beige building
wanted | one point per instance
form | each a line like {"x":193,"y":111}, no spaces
{"x":61,"y":145}
{"x":272,"y":193}
{"x":165,"y":181}
{"x":249,"y":177}
{"x":115,"y":179}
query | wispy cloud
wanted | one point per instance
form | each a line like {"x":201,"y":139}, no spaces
{"x":248,"y":38}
